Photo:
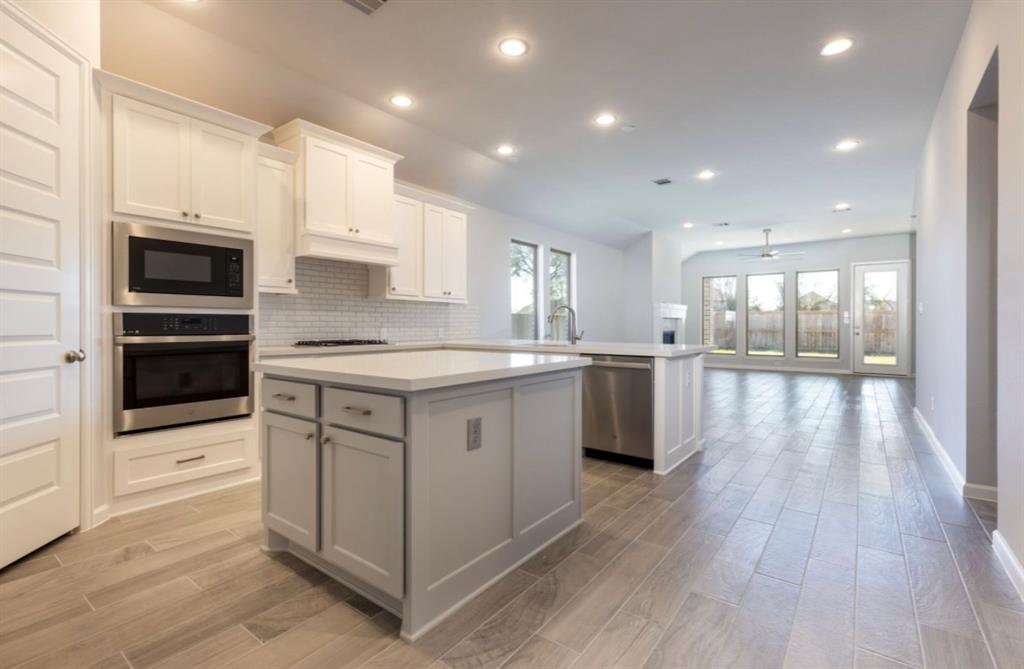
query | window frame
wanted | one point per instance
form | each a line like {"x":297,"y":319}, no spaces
{"x":538,"y":283}
{"x":746,"y":316}
{"x":570,"y":276}
{"x":839,"y":317}
{"x":735,"y":326}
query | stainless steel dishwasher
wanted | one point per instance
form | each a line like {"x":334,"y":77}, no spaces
{"x":617,"y":406}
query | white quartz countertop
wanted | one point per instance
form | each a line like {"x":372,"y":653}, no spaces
{"x":412,"y":370}
{"x":506,"y":345}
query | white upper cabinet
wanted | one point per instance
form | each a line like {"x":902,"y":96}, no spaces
{"x":345,"y":190}
{"x":222,"y":177}
{"x":275,"y":219}
{"x":431,"y":250}
{"x":434,"y":283}
{"x":152,"y":161}
{"x":173,"y":167}
{"x":406,"y":278}
{"x":455,"y":257}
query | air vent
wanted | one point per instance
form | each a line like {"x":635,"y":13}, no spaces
{"x":723,"y":224}
{"x":366,"y":6}
{"x":664,"y":181}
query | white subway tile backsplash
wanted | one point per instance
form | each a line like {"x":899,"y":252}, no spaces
{"x":333,"y":303}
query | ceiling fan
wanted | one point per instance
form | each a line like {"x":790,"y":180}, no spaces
{"x":767,"y":252}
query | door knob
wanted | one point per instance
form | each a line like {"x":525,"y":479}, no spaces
{"x":74,"y":356}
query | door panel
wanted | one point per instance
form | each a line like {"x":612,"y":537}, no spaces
{"x":291,"y":495}
{"x":275,"y":214}
{"x":40,"y":208}
{"x":373,"y":185}
{"x":407,"y":277}
{"x":222,"y":176}
{"x":881,"y":318}
{"x":151,"y":161}
{"x":455,"y":254}
{"x":433,"y":252}
{"x":327,"y":183}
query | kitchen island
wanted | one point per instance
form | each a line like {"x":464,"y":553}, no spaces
{"x":671,"y":421}
{"x":419,"y":476}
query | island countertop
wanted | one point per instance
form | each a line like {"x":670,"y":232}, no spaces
{"x":505,"y":345}
{"x":393,"y":367}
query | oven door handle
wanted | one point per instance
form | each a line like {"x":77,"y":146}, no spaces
{"x":180,"y":339}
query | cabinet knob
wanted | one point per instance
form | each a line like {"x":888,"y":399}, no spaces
{"x":197,"y":215}
{"x":325,"y":440}
{"x":351,"y":229}
{"x":357,"y":231}
{"x":309,"y":436}
{"x":184,"y":213}
{"x":392,"y":289}
{"x":291,"y":280}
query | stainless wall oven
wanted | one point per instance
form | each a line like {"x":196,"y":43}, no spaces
{"x":164,"y":267}
{"x":174,"y":369}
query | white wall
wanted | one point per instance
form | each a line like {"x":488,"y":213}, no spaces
{"x":941,"y":268}
{"x":836,"y":254}
{"x":599,"y":274}
{"x":636,"y":309}
{"x":77,"y":22}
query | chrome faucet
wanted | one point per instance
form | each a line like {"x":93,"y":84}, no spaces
{"x":574,"y":336}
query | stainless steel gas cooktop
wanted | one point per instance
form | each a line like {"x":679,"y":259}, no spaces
{"x":341,"y":342}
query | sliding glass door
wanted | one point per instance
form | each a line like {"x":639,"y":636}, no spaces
{"x":881,"y":318}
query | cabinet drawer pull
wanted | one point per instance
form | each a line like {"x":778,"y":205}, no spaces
{"x":309,"y":436}
{"x":196,"y":458}
{"x":284,"y":396}
{"x":357,"y":411}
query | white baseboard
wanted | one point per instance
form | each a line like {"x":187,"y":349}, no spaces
{"x":947,"y":464}
{"x":987,"y":493}
{"x":765,"y":368}
{"x":1011,"y":563}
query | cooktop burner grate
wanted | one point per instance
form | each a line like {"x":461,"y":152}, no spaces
{"x":341,"y":342}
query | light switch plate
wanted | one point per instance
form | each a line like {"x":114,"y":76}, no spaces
{"x":474,"y":433}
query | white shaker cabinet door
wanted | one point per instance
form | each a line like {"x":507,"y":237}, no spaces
{"x":363,"y":507}
{"x":326,"y":176}
{"x":275,"y":214}
{"x":372,"y":192}
{"x":152,"y":159}
{"x":433,"y":252}
{"x":455,"y":254}
{"x":290,"y":499}
{"x":407,"y":277}
{"x":222,"y":177}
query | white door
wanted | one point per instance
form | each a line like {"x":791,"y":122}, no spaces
{"x":455,"y":254}
{"x":372,"y":191}
{"x":325,"y":173}
{"x":275,"y":213}
{"x":41,"y":145}
{"x":881,"y":318}
{"x":152,"y":164}
{"x":222,"y":176}
{"x":433,"y":252}
{"x":407,"y":277}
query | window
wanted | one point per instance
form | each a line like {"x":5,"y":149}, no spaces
{"x":817,"y":315}
{"x":766,"y":314}
{"x":559,"y":292}
{"x":718,"y":320}
{"x":524,"y":290}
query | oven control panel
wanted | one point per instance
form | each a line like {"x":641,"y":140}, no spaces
{"x":133,"y":324}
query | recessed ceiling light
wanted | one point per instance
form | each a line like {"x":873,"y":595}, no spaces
{"x":719,"y":243}
{"x":605,"y":119}
{"x":848,"y":144}
{"x":687,"y":225}
{"x":836,"y":46}
{"x":506,"y":150}
{"x":842,"y":206}
{"x":847,"y":231}
{"x":513,"y":47}
{"x":705,"y":175}
{"x":401,"y":101}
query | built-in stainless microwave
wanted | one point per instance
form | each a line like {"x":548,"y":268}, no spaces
{"x":163,"y":267}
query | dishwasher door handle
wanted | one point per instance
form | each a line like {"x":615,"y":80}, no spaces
{"x":620,"y":365}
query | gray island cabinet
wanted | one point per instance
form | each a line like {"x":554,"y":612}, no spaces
{"x":418,"y":478}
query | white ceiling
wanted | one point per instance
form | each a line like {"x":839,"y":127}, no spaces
{"x":735,"y":86}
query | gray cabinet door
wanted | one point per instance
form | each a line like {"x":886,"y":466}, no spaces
{"x":363,"y":507}
{"x":290,"y":478}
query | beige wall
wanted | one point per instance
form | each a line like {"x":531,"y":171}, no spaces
{"x":941,"y":252}
{"x":77,"y":22}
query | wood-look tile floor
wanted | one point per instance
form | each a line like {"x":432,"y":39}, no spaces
{"x":816,"y":530}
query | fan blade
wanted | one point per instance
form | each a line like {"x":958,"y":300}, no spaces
{"x":749,"y":255}
{"x":790,"y":253}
